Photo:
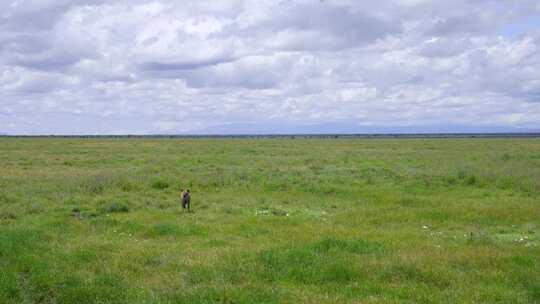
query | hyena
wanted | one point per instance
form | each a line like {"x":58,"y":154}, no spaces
{"x":186,"y":199}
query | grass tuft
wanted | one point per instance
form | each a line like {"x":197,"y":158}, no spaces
{"x":115,"y":208}
{"x":326,"y":261}
{"x":175,"y":230}
{"x":160,"y":184}
{"x":96,"y":185}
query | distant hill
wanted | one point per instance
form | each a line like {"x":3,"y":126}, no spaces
{"x":353,"y":128}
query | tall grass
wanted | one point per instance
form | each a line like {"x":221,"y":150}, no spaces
{"x":274,"y":221}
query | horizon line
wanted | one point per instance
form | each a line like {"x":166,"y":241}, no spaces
{"x":246,"y":135}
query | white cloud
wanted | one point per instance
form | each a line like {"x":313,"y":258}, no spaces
{"x":168,"y":66}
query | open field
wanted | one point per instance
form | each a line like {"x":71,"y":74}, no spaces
{"x":274,"y":221}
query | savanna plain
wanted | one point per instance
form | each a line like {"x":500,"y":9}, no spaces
{"x":274,"y":220}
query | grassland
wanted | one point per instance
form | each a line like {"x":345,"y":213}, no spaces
{"x":274,"y":221}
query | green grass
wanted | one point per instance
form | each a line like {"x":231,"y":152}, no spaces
{"x":274,"y":221}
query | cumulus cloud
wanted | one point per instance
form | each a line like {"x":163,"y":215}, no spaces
{"x":196,"y":66}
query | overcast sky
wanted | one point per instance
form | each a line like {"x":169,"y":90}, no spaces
{"x":280,"y":66}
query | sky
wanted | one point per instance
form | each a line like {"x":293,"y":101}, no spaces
{"x":269,"y":66}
